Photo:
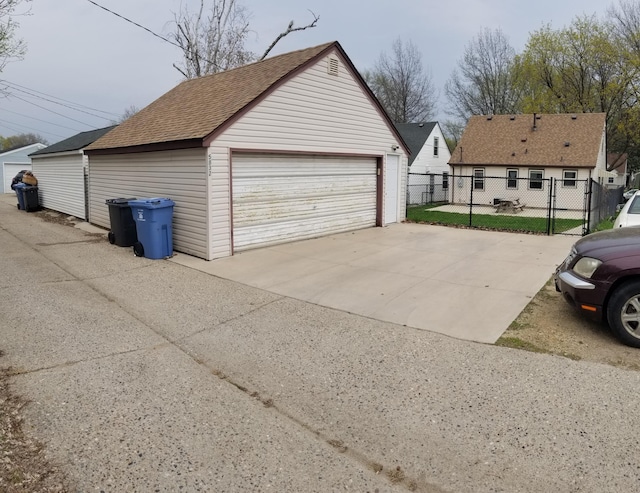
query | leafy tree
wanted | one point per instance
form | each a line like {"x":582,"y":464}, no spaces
{"x":486,"y":79}
{"x":213,"y":39}
{"x":20,"y":140}
{"x":402,"y":85}
{"x":11,"y":48}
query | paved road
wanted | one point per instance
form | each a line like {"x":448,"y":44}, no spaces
{"x":149,"y":376}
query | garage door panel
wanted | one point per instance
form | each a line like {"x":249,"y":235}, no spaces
{"x":11,"y":170}
{"x":279,"y":198}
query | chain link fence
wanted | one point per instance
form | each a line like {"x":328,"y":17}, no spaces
{"x":533,"y":205}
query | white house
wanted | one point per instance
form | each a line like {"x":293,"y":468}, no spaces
{"x":428,"y":163}
{"x":14,"y":161}
{"x":292,"y":147}
{"x":618,"y":164}
{"x":61,"y":172}
{"x":525,"y":151}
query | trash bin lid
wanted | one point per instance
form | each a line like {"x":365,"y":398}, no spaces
{"x":152,"y":203}
{"x":119,"y":201}
{"x":20,"y":185}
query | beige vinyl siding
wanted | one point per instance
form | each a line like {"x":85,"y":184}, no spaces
{"x":312,"y":113}
{"x":178,"y":175}
{"x":61,"y":182}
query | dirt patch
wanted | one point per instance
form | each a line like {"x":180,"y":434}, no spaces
{"x":550,"y":325}
{"x":23,"y":466}
{"x":56,"y":217}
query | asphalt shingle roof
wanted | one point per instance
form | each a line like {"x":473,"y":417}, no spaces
{"x":74,"y":143}
{"x":415,"y":135}
{"x":197,"y":107}
{"x":511,"y":140}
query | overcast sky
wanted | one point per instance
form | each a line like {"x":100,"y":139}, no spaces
{"x":83,"y":55}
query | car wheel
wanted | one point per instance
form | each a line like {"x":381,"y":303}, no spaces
{"x":623,"y":313}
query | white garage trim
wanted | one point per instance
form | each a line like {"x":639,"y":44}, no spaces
{"x":278,"y":198}
{"x":9,"y":171}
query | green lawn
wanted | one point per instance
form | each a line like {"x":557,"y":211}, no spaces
{"x":490,"y":221}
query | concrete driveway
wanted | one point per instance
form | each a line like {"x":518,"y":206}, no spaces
{"x":468,"y":284}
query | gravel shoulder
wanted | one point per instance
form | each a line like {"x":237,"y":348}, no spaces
{"x":550,"y":325}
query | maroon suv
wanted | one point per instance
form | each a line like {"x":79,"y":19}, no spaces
{"x":601,"y":276}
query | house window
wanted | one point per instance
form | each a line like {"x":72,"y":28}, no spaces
{"x":436,"y":141}
{"x":535,"y":179}
{"x":569,"y":177}
{"x":512,"y":179}
{"x":478,"y":179}
{"x":445,"y":181}
{"x":611,"y":179}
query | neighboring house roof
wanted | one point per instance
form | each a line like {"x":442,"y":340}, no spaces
{"x":194,"y":110}
{"x":74,"y":143}
{"x":556,"y":140}
{"x":617,"y":162}
{"x":415,"y":135}
{"x":15,"y":150}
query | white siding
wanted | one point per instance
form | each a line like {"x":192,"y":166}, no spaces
{"x":426,"y":162}
{"x":61,"y":182}
{"x":178,"y":175}
{"x":16,"y":156}
{"x":312,"y":113}
{"x":280,"y":198}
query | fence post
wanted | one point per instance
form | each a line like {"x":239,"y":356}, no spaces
{"x":550,"y":204}
{"x":589,"y":199}
{"x":471,"y":205}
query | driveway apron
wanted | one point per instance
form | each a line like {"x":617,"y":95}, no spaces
{"x":467,"y":284}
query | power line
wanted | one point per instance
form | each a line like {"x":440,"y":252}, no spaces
{"x":60,"y":99}
{"x":56,"y":102}
{"x":30,"y":128}
{"x":4,"y":110}
{"x":51,"y":111}
{"x":135,"y":24}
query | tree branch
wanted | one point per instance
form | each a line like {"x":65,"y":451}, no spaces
{"x":289,"y":30}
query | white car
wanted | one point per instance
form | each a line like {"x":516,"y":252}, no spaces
{"x":629,"y":193}
{"x":630,"y":213}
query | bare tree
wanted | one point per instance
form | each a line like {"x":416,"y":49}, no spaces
{"x":11,"y":48}
{"x":213,"y":39}
{"x":402,"y":85}
{"x":485,"y":80}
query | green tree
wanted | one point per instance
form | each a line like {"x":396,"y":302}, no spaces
{"x":20,"y":140}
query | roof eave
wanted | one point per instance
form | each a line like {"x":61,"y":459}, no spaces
{"x":151,"y":147}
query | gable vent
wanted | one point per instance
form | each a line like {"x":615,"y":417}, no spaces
{"x":332,"y":66}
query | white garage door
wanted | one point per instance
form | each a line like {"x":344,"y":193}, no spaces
{"x":281,"y":198}
{"x":11,"y":170}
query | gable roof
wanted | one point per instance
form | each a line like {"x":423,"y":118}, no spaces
{"x":617,"y":162}
{"x":415,"y":135}
{"x":15,"y":150}
{"x":74,"y":143}
{"x":194,"y":110}
{"x":560,"y":140}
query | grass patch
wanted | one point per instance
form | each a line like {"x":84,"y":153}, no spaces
{"x":489,"y":221}
{"x":517,"y":343}
{"x":606,"y":224}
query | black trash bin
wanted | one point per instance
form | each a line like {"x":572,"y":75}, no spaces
{"x":123,"y":227}
{"x":30,"y":197}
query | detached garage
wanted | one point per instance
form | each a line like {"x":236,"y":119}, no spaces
{"x":14,"y":161}
{"x":61,"y":172}
{"x":289,"y":148}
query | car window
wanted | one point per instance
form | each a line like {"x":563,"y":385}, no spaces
{"x":634,"y":208}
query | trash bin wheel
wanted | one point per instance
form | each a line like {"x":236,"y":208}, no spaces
{"x":138,"y":249}
{"x":18,"y":206}
{"x":112,"y":237}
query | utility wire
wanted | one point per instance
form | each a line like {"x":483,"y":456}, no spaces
{"x":4,"y":110}
{"x":4,"y":81}
{"x":51,"y":111}
{"x":60,"y":104}
{"x":135,"y":24}
{"x":30,"y":128}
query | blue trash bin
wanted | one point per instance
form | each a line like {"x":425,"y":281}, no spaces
{"x":18,"y":189}
{"x":153,"y":219}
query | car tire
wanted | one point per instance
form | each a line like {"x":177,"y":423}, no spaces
{"x":623,"y":313}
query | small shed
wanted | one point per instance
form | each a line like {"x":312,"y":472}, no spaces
{"x":14,"y":161}
{"x":61,"y":170}
{"x":292,"y":147}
